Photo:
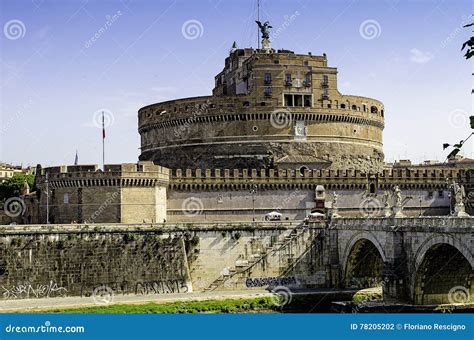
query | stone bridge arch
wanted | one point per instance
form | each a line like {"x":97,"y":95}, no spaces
{"x":363,"y":260}
{"x":443,"y":271}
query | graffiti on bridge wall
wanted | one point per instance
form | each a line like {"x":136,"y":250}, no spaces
{"x":270,"y":281}
{"x":165,"y":286}
{"x":30,"y":291}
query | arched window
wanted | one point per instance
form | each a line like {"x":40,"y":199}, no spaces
{"x":354,"y":107}
{"x":343,"y":106}
{"x":381,"y":113}
{"x":373,"y":109}
{"x":302,"y":169}
{"x":372,"y":188}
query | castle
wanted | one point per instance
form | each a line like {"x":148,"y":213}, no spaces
{"x":274,"y":129}
{"x":275,"y":136}
{"x":268,"y":109}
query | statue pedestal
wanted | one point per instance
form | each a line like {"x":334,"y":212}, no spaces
{"x":459,"y":211}
{"x":397,"y":212}
{"x":266,"y":45}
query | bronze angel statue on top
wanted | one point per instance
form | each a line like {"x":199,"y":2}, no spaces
{"x":265,"y":29}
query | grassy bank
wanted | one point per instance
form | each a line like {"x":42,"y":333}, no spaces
{"x":250,"y":305}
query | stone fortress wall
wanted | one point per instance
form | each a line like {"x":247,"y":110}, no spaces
{"x":251,"y":122}
{"x":146,"y":193}
{"x":224,"y":194}
{"x":122,"y":193}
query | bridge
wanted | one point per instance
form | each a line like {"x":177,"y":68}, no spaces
{"x":424,"y":260}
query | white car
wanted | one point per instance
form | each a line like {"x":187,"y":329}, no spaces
{"x":273,"y":216}
{"x":315,"y":216}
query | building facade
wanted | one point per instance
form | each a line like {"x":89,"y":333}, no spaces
{"x":122,"y":193}
{"x":275,"y":129}
{"x":266,"y":105}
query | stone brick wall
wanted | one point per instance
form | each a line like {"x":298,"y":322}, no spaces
{"x":123,"y":193}
{"x":53,"y":263}
{"x":75,"y":260}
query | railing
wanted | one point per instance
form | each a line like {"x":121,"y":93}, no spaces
{"x":145,"y":227}
{"x":403,"y":222}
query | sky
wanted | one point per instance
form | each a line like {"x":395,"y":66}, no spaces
{"x":63,"y":62}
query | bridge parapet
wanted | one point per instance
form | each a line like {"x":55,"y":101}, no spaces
{"x":403,"y":223}
{"x":150,"y":228}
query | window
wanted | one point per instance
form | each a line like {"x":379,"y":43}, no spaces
{"x":343,"y":106}
{"x":440,"y":193}
{"x":267,"y":91}
{"x":381,"y":113}
{"x":298,"y":100}
{"x":372,"y":188}
{"x":325,"y":93}
{"x":364,"y":107}
{"x":288,"y":79}
{"x":354,"y":107}
{"x":66,"y":198}
{"x":267,"y":79}
{"x":307,"y":79}
{"x":325,"y":80}
{"x":303,"y":169}
{"x":373,"y":109}
{"x":246,"y":103}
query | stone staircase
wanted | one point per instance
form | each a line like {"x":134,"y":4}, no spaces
{"x":243,"y":268}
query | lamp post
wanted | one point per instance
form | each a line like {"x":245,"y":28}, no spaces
{"x":47,"y":198}
{"x":253,"y":191}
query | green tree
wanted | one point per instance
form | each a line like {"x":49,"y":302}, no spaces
{"x":469,"y":53}
{"x":13,"y":186}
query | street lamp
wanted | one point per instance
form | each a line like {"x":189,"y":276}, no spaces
{"x":253,"y":191}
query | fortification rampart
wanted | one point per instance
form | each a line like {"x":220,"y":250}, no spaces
{"x":124,"y":193}
{"x":332,"y":179}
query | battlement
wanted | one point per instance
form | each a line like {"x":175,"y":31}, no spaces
{"x":440,"y":173}
{"x":126,"y":174}
{"x":334,"y":179}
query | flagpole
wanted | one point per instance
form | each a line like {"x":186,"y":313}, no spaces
{"x":103,"y":142}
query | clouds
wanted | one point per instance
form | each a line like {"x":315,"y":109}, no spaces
{"x":420,"y":57}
